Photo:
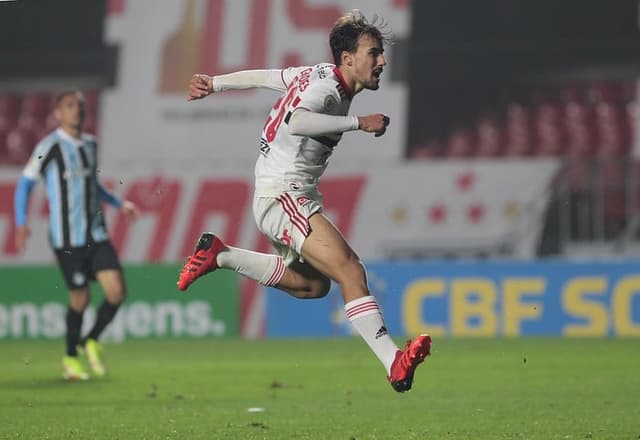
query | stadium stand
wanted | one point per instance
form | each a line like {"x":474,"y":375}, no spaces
{"x":26,"y":118}
{"x":588,"y":125}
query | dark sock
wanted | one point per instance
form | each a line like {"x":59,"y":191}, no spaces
{"x":74,"y":327}
{"x":106,"y":312}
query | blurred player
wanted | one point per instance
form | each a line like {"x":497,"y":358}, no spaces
{"x":300,"y":134}
{"x":67,"y":161}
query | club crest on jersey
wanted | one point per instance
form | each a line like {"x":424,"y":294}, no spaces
{"x":330,"y":103}
{"x":302,"y":200}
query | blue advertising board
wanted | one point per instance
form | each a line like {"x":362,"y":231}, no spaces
{"x":479,"y":299}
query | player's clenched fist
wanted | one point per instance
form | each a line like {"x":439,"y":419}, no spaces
{"x":200,"y":86}
{"x":375,"y":123}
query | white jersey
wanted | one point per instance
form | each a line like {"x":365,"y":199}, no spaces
{"x":290,"y":162}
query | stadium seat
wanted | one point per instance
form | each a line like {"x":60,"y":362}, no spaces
{"x":428,"y":150}
{"x":549,"y":136}
{"x":459,"y":144}
{"x":517,"y":127}
{"x":19,"y":145}
{"x":91,"y":99}
{"x":489,"y":136}
{"x":608,"y":123}
{"x":38,"y":104}
{"x":9,"y":107}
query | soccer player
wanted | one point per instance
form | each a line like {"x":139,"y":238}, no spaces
{"x":67,"y":161}
{"x":299,"y":136}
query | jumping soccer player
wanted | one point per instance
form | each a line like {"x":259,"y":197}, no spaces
{"x":299,"y":136}
{"x":67,"y":161}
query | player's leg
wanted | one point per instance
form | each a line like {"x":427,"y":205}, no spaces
{"x":298,"y":279}
{"x":326,"y":249}
{"x":78,"y":301}
{"x":115,"y":291}
{"x":108,"y":273}
{"x":72,"y":263}
{"x":285,"y":224}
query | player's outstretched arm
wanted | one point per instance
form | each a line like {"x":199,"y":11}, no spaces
{"x":202,"y":85}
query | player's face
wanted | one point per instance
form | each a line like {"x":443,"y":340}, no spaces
{"x":71,"y":112}
{"x":369,"y":62}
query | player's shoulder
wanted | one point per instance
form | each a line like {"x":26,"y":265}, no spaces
{"x":48,"y":141}
{"x":88,"y":138}
{"x":330,"y":79}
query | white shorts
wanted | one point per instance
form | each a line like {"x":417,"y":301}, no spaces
{"x":285,"y":221}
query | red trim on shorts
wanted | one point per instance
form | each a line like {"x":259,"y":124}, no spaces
{"x":298,"y":220}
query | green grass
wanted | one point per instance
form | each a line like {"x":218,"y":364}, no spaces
{"x":326,"y":389}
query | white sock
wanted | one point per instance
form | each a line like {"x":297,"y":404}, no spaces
{"x":267,"y":269}
{"x":365,"y":315}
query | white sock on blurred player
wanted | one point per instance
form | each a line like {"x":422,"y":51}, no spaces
{"x":365,"y":315}
{"x":267,"y":269}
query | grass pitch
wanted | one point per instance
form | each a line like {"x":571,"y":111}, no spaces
{"x":325,"y":389}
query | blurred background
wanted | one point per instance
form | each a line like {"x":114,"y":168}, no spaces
{"x":502,"y":201}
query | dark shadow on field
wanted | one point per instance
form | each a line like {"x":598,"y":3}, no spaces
{"x":29,"y":383}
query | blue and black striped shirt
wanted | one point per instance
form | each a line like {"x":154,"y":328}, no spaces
{"x":68,"y":167}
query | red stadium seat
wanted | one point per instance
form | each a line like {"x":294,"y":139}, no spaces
{"x":578,"y":127}
{"x":548,"y":132}
{"x":29,"y":121}
{"x":20,"y":144}
{"x":608,"y":123}
{"x":38,"y":104}
{"x":459,"y":144}
{"x":428,"y":150}
{"x":9,"y":107}
{"x":489,"y":136}
{"x":517,"y":127}
{"x":91,"y":99}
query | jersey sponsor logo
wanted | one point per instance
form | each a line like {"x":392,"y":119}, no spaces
{"x":76,"y":172}
{"x":264,"y":147}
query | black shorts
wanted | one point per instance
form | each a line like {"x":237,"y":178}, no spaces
{"x":79,"y":265}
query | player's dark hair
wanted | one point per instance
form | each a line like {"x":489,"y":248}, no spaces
{"x":60,"y":96}
{"x":349,"y":28}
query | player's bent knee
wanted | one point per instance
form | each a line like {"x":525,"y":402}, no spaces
{"x":323,"y":287}
{"x":116,"y":297}
{"x":353,"y":270}
{"x":314,"y":289}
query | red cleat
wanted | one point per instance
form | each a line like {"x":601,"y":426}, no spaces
{"x":203,"y":260}
{"x":406,"y":361}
